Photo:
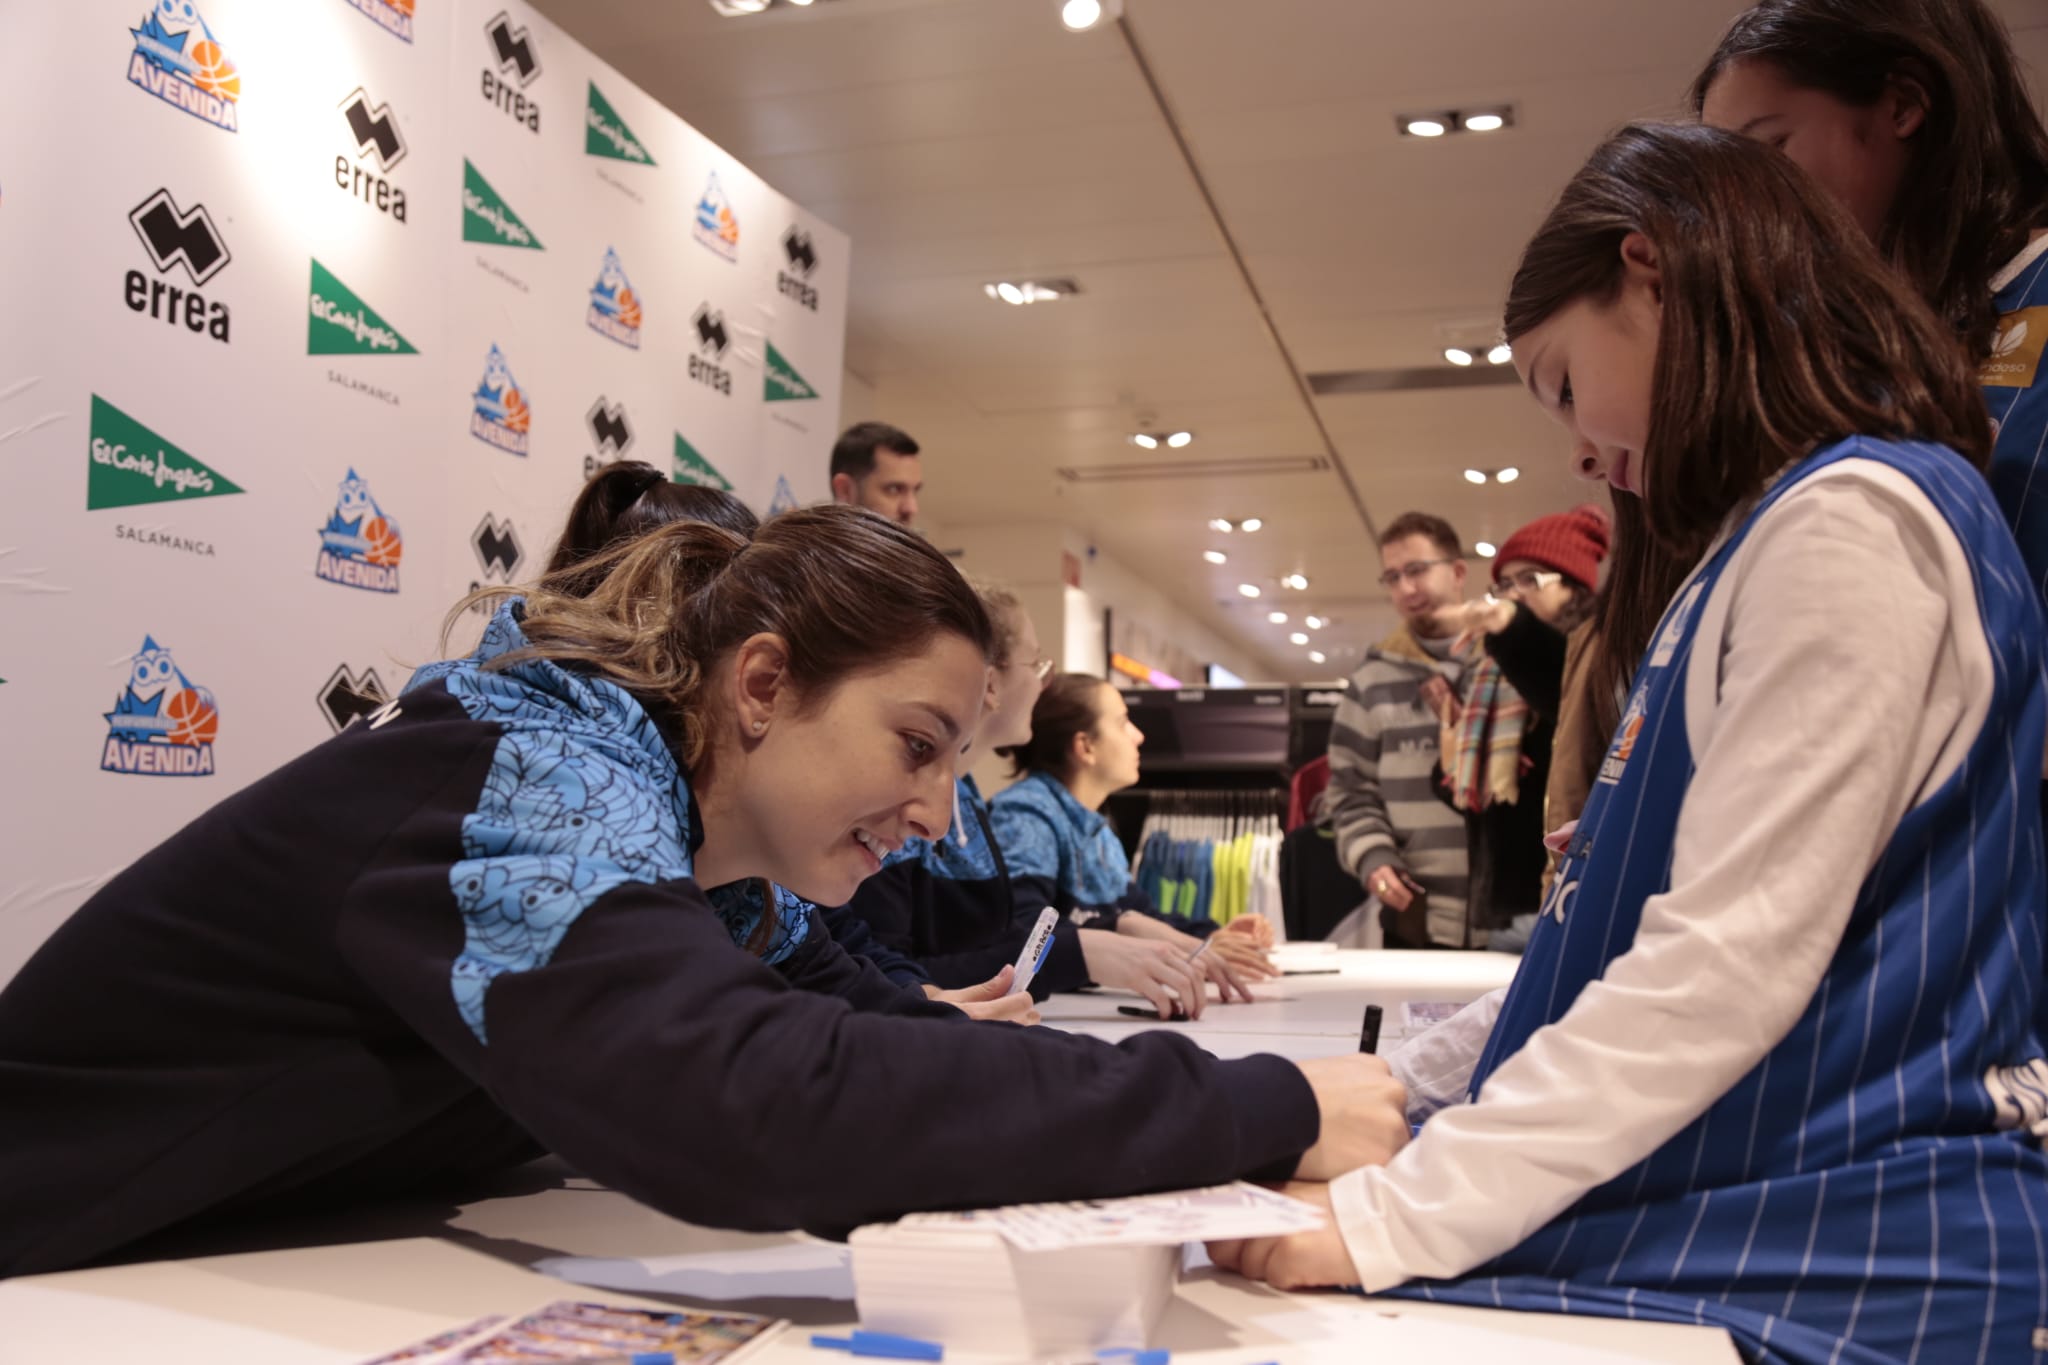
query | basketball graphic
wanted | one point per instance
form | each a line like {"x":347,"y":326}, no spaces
{"x":517,"y":417}
{"x":381,"y":543}
{"x":502,"y":417}
{"x":178,"y":59}
{"x":194,"y":718}
{"x":360,"y":545}
{"x":213,"y":72}
{"x":1625,"y":748}
{"x":629,"y":308}
{"x":163,"y":724}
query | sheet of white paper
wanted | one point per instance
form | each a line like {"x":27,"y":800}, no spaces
{"x":800,"y":1270}
{"x":1217,"y":1213}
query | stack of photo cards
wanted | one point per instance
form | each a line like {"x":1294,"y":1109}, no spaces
{"x":571,"y":1331}
{"x":1049,"y":1278}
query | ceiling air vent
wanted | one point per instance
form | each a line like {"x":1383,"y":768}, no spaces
{"x":1333,"y":382}
{"x":1143,"y":471}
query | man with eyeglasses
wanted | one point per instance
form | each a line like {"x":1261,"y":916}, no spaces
{"x":1406,"y":845}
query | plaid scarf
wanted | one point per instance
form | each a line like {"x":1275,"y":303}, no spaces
{"x":1487,"y":767}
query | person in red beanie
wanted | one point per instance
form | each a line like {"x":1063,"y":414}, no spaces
{"x":1496,"y":743}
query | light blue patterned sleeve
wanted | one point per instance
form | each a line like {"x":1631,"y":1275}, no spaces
{"x":1029,"y":841}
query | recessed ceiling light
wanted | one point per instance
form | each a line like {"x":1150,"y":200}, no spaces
{"x":1316,"y":656}
{"x":1475,"y":476}
{"x":1295,"y":581}
{"x":1508,"y":475}
{"x":1314,"y":622}
{"x":1250,"y":524}
{"x":1081,"y":15}
{"x":1278,"y":618}
{"x":733,"y":9}
{"x":1180,"y":438}
{"x":1457,"y":355}
{"x":1484,"y":549}
{"x":1247,"y":590}
{"x":1215,"y":556}
{"x":1146,"y":440}
{"x":799,"y":3}
{"x":1500,"y":354}
{"x":1435,"y":123}
{"x":1298,"y":638}
{"x":1020,"y":292}
{"x":1219,"y":524}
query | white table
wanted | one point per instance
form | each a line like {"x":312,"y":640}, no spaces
{"x":1304,"y":1016}
{"x":342,"y":1290}
{"x":341,"y":1302}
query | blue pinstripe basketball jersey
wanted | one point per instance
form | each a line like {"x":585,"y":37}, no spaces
{"x":2016,"y":391}
{"x":1870,"y":1192}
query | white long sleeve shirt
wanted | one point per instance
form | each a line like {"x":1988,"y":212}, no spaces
{"x":1839,"y":675}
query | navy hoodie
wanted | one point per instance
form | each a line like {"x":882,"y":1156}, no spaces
{"x":466,"y":931}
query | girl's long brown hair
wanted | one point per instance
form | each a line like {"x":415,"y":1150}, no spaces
{"x":1781,"y":330}
{"x":1977,"y":180}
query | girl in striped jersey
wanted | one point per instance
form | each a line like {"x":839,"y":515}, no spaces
{"x":1914,"y":115}
{"x":1770,"y":1061}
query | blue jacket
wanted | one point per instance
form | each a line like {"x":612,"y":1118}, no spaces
{"x":1064,"y":855}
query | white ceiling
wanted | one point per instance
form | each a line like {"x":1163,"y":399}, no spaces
{"x":961,"y":141}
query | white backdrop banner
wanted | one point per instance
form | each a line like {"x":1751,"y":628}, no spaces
{"x":319,"y":315}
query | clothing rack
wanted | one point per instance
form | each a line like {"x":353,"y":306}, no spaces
{"x":1212,"y":854}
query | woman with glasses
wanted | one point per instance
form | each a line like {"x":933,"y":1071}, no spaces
{"x":1496,"y":746}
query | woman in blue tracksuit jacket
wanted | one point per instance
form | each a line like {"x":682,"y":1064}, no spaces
{"x":532,"y":905}
{"x":626,"y":499}
{"x":1062,"y":853}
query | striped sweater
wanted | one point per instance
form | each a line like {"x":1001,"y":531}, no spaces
{"x":1381,"y":802}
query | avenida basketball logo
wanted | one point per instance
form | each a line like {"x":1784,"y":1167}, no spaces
{"x":502,"y":418}
{"x":162,"y":724}
{"x":717,"y":226}
{"x":178,"y":60}
{"x":359,"y":546}
{"x":614,"y":310}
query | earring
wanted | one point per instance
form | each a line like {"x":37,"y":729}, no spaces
{"x":759,"y":726}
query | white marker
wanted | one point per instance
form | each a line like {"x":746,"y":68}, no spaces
{"x":1035,"y":949}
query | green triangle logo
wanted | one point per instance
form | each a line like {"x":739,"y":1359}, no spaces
{"x":691,"y":467}
{"x":780,"y":381}
{"x":486,"y":217}
{"x":606,"y":134}
{"x":127,"y":465}
{"x":339,"y":323}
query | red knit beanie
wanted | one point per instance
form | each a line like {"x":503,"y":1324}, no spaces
{"x":1572,"y":543}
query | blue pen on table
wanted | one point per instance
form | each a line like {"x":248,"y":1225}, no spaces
{"x":1369,"y":1035}
{"x":1136,"y":1357}
{"x":882,"y":1345}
